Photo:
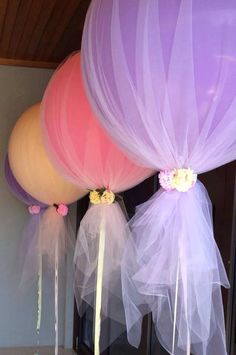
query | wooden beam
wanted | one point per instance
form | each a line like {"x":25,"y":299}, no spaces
{"x":28,"y":63}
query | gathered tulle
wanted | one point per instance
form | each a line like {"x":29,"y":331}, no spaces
{"x":161,"y":77}
{"x":177,"y":271}
{"x":85,"y":154}
{"x":110,"y":220}
{"x":28,"y":260}
{"x":46,"y":234}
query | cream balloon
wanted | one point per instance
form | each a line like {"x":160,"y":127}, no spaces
{"x":31,"y":166}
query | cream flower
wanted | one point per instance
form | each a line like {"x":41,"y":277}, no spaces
{"x":108,"y":197}
{"x":94,"y":197}
{"x":177,"y":179}
{"x":183,"y":179}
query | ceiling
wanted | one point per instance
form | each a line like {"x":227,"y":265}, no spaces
{"x":40,"y":33}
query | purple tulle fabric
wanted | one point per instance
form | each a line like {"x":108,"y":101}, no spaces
{"x":161,"y":77}
{"x":43,"y":234}
{"x":28,"y":253}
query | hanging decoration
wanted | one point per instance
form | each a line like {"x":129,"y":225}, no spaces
{"x":29,"y":259}
{"x":53,"y":237}
{"x":161,"y":77}
{"x":85,"y":154}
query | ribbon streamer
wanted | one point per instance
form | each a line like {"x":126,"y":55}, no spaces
{"x":39,"y":295}
{"x":175,"y":309}
{"x":39,"y":303}
{"x":56,"y":299}
{"x":175,"y":316}
{"x":98,"y":301}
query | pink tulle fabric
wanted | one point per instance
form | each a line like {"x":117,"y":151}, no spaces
{"x":85,"y":154}
{"x":76,"y":141}
{"x":161,"y":77}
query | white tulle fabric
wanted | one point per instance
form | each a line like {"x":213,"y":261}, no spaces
{"x":177,"y":263}
{"x":111,"y":219}
{"x":85,"y":154}
{"x":161,"y":77}
{"x":52,"y":234}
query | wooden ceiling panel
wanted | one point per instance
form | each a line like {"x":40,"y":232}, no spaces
{"x":40,"y":32}
{"x":19,"y":27}
{"x":3,"y":10}
{"x":61,"y":18}
{"x":38,"y":28}
{"x":70,"y":40}
{"x":8,"y":27}
{"x":32,"y":21}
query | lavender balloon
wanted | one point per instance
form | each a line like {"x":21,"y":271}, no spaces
{"x":161,"y":77}
{"x":28,"y":254}
{"x":17,"y":190}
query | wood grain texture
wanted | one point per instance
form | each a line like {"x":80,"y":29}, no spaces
{"x":28,"y":63}
{"x":3,"y":9}
{"x":18,"y":30}
{"x":9,"y":23}
{"x":40,"y":32}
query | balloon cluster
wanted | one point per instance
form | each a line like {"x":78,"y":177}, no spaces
{"x":57,"y":153}
{"x":160,"y":77}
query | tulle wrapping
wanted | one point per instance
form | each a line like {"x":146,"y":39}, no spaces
{"x":29,"y":252}
{"x":179,"y":258}
{"x":42,"y":234}
{"x":161,"y":78}
{"x":86,"y":155}
{"x":27,"y":259}
{"x":51,"y":233}
{"x":111,"y":218}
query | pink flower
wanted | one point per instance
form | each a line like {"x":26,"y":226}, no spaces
{"x":62,"y":210}
{"x":165,"y":179}
{"x":34,"y":209}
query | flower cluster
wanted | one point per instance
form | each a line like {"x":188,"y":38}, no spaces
{"x":102,"y":196}
{"x":62,"y":209}
{"x":177,"y":179}
{"x":34,"y":209}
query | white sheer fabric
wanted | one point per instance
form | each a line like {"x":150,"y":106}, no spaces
{"x":161,"y":77}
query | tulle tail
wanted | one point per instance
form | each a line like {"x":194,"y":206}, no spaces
{"x":47,"y":240}
{"x":100,"y":245}
{"x":172,"y":268}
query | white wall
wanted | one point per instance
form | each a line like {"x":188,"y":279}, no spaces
{"x":19,"y":88}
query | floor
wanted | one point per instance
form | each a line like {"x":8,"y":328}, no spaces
{"x":33,"y":351}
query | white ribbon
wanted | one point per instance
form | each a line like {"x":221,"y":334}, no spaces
{"x":175,"y":309}
{"x":39,"y":310}
{"x":56,"y":299}
{"x":175,"y":316}
{"x":98,"y":301}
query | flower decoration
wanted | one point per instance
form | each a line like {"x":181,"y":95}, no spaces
{"x":177,"y":179}
{"x":102,"y":196}
{"x":95,"y":197}
{"x":34,"y":209}
{"x":62,"y":209}
{"x":108,"y":197}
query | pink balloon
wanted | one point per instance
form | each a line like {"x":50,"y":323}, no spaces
{"x":78,"y":144}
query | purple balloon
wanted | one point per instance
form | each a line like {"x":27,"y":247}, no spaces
{"x":17,"y":190}
{"x":27,"y":256}
{"x":161,"y":76}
